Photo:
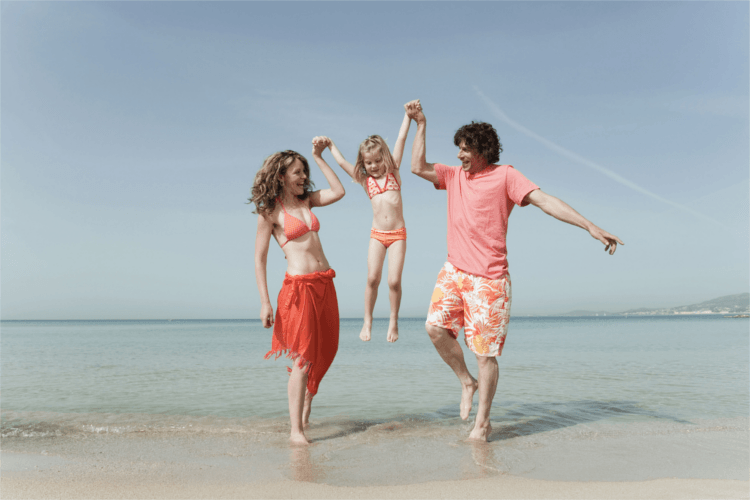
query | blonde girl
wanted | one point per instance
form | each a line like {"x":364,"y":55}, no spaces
{"x":377,"y":171}
{"x":306,"y":326}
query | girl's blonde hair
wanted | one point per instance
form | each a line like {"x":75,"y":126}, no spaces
{"x":269,"y":186}
{"x":369,"y":145}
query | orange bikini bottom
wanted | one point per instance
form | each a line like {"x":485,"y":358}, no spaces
{"x":388,"y":238}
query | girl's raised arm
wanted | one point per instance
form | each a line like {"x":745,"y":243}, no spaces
{"x":333,"y":194}
{"x":348,"y":167}
{"x":398,"y":148}
{"x":262,"y":240}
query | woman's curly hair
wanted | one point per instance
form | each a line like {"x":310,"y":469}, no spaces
{"x":482,"y":138}
{"x":268,"y":185}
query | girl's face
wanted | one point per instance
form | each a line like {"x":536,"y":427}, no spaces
{"x":374,"y":163}
{"x":294,"y":179}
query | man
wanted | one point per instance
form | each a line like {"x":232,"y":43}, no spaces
{"x":473,"y":289}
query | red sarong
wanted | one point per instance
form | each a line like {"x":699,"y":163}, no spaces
{"x":307,"y":323}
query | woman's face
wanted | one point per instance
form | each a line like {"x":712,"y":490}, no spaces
{"x":295,"y":178}
{"x":374,"y":163}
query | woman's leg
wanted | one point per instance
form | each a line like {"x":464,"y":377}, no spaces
{"x":375,"y":258}
{"x":306,"y":409}
{"x":396,"y":256}
{"x":296,"y":390}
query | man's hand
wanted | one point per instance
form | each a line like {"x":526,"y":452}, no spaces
{"x":610,"y":240}
{"x":414,"y":111}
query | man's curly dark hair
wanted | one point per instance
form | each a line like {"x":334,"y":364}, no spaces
{"x":482,"y":138}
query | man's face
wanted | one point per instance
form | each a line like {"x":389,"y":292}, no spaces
{"x":471,"y":161}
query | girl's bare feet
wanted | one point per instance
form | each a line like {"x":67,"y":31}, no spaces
{"x":467,"y":398}
{"x":366,"y":332}
{"x":393,"y":331}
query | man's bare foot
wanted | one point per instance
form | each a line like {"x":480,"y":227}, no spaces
{"x":393,"y":331}
{"x":298,"y":438}
{"x":366,"y":332}
{"x":481,"y":433}
{"x":467,"y":398}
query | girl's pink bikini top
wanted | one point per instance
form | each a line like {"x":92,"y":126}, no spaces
{"x":391,"y":184}
{"x":294,"y":228}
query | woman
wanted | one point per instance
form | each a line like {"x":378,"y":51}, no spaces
{"x":306,"y":327}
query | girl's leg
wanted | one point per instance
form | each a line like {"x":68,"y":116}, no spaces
{"x":296,"y":390}
{"x":375,"y":258}
{"x":396,"y":256}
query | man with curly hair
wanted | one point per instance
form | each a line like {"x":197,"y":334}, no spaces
{"x":473,"y":288}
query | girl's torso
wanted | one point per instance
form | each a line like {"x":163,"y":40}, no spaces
{"x":295,"y":228}
{"x":385,"y":196}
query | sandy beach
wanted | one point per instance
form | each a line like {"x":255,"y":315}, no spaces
{"x":165,"y":484}
{"x":350,"y":465}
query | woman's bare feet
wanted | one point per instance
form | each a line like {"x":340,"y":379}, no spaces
{"x":393,"y":331}
{"x":467,"y":398}
{"x":366,"y":332}
{"x":298,"y":438}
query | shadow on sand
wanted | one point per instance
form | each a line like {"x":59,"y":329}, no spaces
{"x":509,"y":419}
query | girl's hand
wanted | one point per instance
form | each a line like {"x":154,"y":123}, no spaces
{"x":319,"y":144}
{"x":266,"y":315}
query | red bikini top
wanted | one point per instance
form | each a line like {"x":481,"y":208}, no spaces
{"x":294,"y":228}
{"x":391,"y":184}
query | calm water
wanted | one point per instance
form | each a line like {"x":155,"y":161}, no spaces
{"x":562,"y":380}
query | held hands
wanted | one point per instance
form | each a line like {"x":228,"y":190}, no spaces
{"x":266,"y":315}
{"x":319,"y":143}
{"x":610,"y":241}
{"x":414,"y":111}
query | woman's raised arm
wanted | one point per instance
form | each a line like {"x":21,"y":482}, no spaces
{"x":333,"y":194}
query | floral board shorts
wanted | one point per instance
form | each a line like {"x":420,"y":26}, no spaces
{"x":479,"y":305}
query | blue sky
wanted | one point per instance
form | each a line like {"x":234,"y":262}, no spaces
{"x":131,"y":133}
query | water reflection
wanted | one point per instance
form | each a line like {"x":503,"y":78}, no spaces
{"x":302,"y":465}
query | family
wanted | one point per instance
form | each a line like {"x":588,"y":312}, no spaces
{"x":473,"y":289}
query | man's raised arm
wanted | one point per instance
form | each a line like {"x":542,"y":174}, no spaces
{"x":419,"y":163}
{"x":564,"y":212}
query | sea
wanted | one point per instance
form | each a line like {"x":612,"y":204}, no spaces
{"x":607,"y":398}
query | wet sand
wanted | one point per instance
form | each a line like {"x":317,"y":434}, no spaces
{"x":380,"y":461}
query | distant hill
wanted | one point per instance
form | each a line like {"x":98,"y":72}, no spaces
{"x":728,"y":304}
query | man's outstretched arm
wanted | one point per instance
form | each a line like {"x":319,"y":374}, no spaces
{"x":564,"y":212}
{"x":419,"y":163}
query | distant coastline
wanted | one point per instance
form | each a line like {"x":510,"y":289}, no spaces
{"x":734,"y":305}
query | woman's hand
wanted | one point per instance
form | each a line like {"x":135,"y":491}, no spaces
{"x":266,"y":315}
{"x":319,"y":144}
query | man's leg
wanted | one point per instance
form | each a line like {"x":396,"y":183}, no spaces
{"x":451,"y":352}
{"x":488,"y":376}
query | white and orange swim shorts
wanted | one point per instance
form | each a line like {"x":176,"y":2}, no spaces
{"x":479,"y":305}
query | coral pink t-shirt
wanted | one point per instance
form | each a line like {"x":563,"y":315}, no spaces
{"x":479,"y":205}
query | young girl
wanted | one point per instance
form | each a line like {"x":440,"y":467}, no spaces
{"x":377,"y":171}
{"x":306,"y":327}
